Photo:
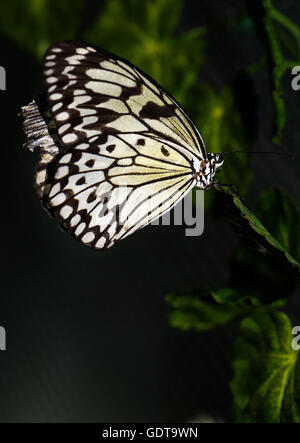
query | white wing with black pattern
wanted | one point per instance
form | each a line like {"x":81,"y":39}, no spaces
{"x":124,"y":151}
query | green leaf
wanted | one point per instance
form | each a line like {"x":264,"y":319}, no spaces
{"x":266,"y":383}
{"x":281,"y":216}
{"x":36,"y":24}
{"x":264,"y":262}
{"x":207,"y":309}
{"x":284,"y":216}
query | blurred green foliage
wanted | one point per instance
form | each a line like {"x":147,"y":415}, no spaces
{"x":36,"y":24}
{"x":216,"y":113}
{"x":144,"y":33}
{"x":277,"y":29}
{"x":265,"y":267}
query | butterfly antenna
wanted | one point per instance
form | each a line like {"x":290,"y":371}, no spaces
{"x":282,"y":154}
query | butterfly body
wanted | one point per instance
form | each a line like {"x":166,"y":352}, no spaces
{"x":116,"y":150}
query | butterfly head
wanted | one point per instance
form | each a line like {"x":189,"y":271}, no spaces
{"x":208,"y":168}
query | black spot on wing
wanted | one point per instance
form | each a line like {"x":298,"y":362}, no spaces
{"x":154,"y":111}
{"x":90,"y":163}
{"x":165,"y":151}
{"x":92,"y":197}
{"x":81,"y":181}
{"x":110,"y":148}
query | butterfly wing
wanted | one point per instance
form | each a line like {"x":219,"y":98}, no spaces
{"x":83,"y":83}
{"x":127,"y":151}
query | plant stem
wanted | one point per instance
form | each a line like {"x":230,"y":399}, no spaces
{"x":288,"y":24}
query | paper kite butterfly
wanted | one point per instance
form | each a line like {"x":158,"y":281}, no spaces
{"x":117,"y":151}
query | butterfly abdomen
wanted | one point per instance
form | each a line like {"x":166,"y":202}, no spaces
{"x":41,"y":134}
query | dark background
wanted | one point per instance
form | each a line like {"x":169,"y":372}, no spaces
{"x":87,"y":332}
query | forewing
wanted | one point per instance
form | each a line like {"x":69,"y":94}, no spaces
{"x":93,"y":93}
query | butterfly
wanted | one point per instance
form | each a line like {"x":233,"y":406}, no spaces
{"x":116,"y":150}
